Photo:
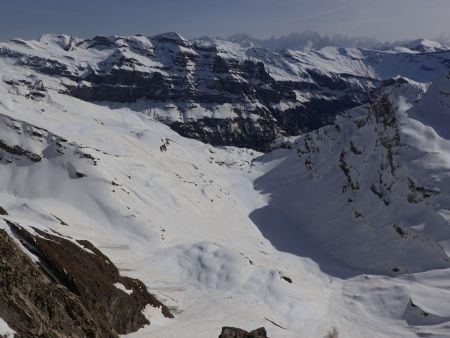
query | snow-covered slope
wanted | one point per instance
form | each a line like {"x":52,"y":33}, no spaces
{"x":344,"y":228}
{"x":176,"y":219}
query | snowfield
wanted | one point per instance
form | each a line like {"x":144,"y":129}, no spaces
{"x":343,"y":228}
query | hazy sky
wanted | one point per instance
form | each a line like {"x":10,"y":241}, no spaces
{"x":383,"y":19}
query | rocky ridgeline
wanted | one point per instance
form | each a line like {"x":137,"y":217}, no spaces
{"x":214,"y":90}
{"x":266,"y":94}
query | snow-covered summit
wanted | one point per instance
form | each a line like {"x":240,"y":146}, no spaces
{"x":425,"y":46}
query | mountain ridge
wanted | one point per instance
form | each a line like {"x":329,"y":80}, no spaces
{"x":215,"y":90}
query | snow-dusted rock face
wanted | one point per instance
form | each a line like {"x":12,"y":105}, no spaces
{"x":217,"y":91}
{"x":362,"y":189}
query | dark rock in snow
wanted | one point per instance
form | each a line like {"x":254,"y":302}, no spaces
{"x":71,"y":292}
{"x":232,"y":332}
{"x":35,"y":306}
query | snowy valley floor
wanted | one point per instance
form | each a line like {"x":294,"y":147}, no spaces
{"x":202,"y":228}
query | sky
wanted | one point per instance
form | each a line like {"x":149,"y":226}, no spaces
{"x":386,"y":20}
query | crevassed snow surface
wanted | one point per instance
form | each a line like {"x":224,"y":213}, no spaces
{"x":233,"y":237}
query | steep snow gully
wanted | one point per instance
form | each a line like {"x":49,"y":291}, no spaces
{"x":160,"y":187}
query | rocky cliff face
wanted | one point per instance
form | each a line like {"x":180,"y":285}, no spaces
{"x":213,"y":90}
{"x":70,"y":290}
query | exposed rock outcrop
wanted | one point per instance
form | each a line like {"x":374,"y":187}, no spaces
{"x":70,"y":291}
{"x":34,"y":305}
{"x":232,"y":332}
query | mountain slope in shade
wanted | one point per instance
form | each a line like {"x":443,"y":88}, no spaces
{"x":366,"y":180}
{"x":434,"y":110}
{"x":369,"y":195}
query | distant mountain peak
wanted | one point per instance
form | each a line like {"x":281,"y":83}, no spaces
{"x":425,"y":46}
{"x":171,"y":36}
{"x":305,"y":40}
